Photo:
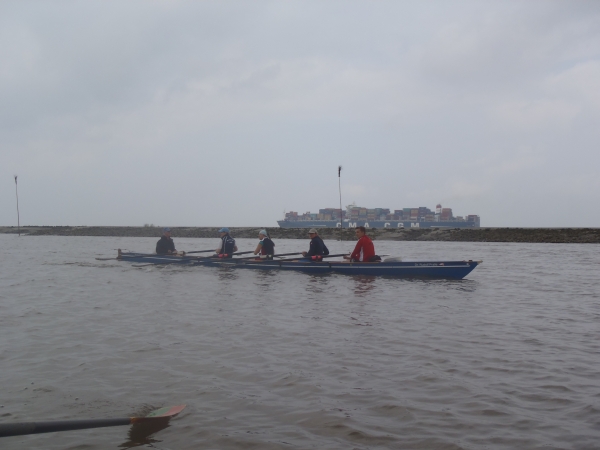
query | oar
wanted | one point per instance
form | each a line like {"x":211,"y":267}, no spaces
{"x":200,"y":251}
{"x":265,"y":259}
{"x":105,"y":259}
{"x":195,"y":259}
{"x":287,"y":254}
{"x":324,"y":256}
{"x":17,"y":429}
{"x":153,"y":255}
{"x":213,"y":257}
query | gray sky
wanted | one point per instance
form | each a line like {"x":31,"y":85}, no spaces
{"x":227,"y":113}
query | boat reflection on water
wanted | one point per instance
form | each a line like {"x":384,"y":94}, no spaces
{"x":140,"y":433}
{"x":227,"y":274}
{"x":265,"y":279}
{"x":363,"y":284}
{"x":318,"y":283}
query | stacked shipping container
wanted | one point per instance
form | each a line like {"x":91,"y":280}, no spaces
{"x":356,"y":213}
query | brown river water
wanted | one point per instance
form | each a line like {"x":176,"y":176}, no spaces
{"x":507,"y":358}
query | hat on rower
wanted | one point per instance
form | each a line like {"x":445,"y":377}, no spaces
{"x":263,"y":232}
{"x":224,"y":230}
{"x":312,"y":230}
{"x":166,"y":230}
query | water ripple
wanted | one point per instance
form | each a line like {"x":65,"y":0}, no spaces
{"x":505,"y":359}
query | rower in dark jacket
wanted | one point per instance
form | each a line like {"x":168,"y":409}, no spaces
{"x":266,"y":246}
{"x":317,"y":246}
{"x":165,"y":246}
{"x":228,"y":246}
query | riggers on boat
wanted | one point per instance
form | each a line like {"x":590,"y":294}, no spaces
{"x":403,"y":269}
{"x":153,"y":258}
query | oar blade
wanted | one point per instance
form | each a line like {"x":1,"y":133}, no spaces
{"x":167,"y":411}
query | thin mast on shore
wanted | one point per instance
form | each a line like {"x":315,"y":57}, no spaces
{"x":18,"y":218}
{"x":341,"y":212}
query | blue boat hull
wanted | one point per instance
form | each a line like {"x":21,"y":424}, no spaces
{"x":410,"y":269}
{"x":414,"y":269}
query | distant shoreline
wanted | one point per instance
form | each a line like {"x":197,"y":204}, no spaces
{"x":533,"y":235}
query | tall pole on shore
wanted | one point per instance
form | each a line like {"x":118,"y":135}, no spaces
{"x":341,"y":212}
{"x":18,"y":217}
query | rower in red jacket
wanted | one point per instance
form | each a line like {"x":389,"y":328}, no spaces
{"x":364,"y":250}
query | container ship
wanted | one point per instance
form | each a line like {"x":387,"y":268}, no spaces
{"x":355,"y":216}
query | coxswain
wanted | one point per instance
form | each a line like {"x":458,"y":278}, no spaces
{"x":165,"y":245}
{"x":364,"y":250}
{"x":228,"y":247}
{"x":266,"y":246}
{"x":317,"y":247}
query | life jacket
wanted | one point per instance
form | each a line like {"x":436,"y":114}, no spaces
{"x":317,"y":247}
{"x":227,"y":245}
{"x":164,"y":245}
{"x":268,"y":247}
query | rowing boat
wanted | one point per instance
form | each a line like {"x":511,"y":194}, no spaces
{"x":403,"y":269}
{"x":409,"y":269}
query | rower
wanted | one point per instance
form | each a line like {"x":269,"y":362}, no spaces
{"x":317,"y":246}
{"x":165,"y":245}
{"x":228,"y":246}
{"x":364,"y":250}
{"x":266,"y":246}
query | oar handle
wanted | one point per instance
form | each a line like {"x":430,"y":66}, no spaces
{"x":18,"y":429}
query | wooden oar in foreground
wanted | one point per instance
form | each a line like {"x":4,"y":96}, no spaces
{"x":18,"y":429}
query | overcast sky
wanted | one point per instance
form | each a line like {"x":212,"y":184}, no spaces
{"x":227,"y":113}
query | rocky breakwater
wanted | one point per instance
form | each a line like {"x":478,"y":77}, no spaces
{"x":540,"y":235}
{"x":533,"y":235}
{"x":145,"y":231}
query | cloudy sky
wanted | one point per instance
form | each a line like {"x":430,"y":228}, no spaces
{"x":227,"y":113}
